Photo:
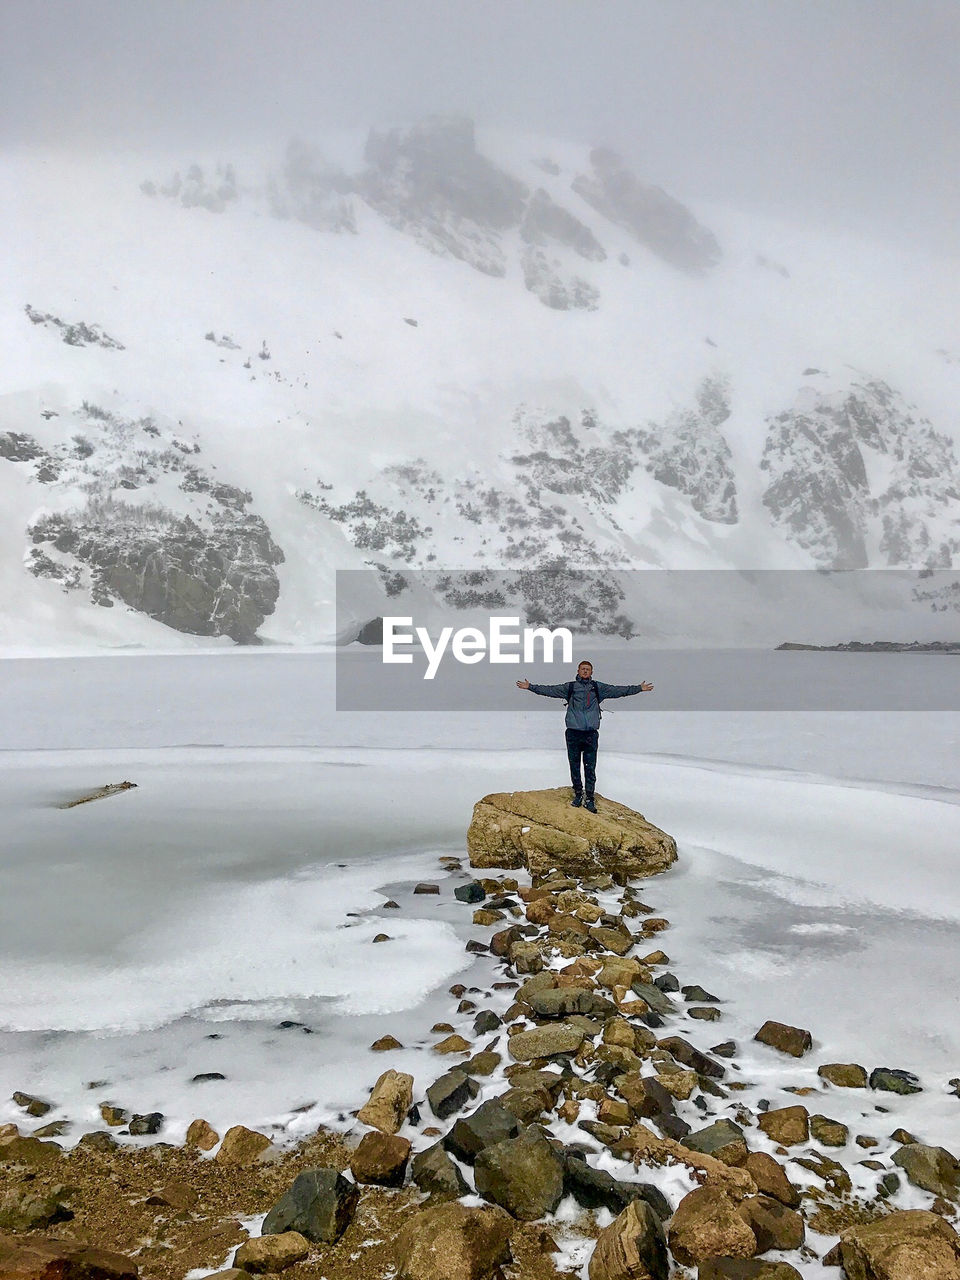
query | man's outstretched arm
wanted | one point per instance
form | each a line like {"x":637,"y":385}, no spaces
{"x":622,"y":690}
{"x":547,"y":690}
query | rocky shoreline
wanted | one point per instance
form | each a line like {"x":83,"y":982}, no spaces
{"x":877,"y":646}
{"x":584,"y":1117}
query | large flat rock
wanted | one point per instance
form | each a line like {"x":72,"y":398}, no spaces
{"x":540,"y":829}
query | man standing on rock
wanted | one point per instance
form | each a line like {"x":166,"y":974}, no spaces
{"x":583,"y":697}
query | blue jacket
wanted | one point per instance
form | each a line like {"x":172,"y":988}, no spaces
{"x":584,"y":709}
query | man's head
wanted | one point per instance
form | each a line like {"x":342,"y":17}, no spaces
{"x":585,"y":670}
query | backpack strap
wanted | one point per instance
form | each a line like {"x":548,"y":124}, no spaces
{"x":596,"y":694}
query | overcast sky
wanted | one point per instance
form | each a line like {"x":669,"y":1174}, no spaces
{"x":840,"y":110}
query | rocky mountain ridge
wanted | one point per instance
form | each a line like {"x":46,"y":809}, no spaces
{"x":361,"y":347}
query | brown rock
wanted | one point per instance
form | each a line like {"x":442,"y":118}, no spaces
{"x":633,"y":1247}
{"x":911,"y":1245}
{"x":31,"y":1152}
{"x":792,"y":1040}
{"x":113,"y":1116}
{"x":175,"y":1195}
{"x":388,"y":1104}
{"x":201,"y":1134}
{"x":545,"y":1041}
{"x":381,"y":1159}
{"x":786,"y":1125}
{"x":242,"y":1146}
{"x":829,"y":1133}
{"x":385,"y":1043}
{"x":452,"y":1242}
{"x":774,"y":1225}
{"x":540,"y":911}
{"x":771,"y":1178}
{"x":707,"y":1225}
{"x":272,"y":1253}
{"x":453,"y":1044}
{"x":43,"y":1258}
{"x":744,"y":1269}
{"x":845,"y":1075}
{"x":613,"y":1111}
{"x":611,"y":939}
{"x":483,"y":915}
{"x":483,"y":1063}
{"x":645,"y":1147}
{"x":540,"y":830}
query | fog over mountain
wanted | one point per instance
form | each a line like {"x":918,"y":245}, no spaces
{"x":496,"y":287}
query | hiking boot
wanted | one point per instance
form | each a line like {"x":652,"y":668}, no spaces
{"x":577,"y":800}
{"x":590,"y":806}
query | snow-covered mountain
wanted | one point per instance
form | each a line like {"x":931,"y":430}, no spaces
{"x":440,"y":348}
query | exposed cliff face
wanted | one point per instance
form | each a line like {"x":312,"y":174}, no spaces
{"x":197,"y":560}
{"x":432,"y":183}
{"x":856,"y":472}
{"x":656,"y":219}
{"x":689,"y":452}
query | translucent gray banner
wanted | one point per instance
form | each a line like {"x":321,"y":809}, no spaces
{"x":708,"y":640}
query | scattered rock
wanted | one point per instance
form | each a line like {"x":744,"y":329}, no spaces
{"x":453,"y":1044}
{"x":845,"y":1075}
{"x":381,"y":1159}
{"x":388,"y":1104}
{"x":911,"y":1245}
{"x":786,"y":1125}
{"x":772,"y":1223}
{"x":427,"y":888}
{"x":679,"y":1048}
{"x":149,"y":1124}
{"x":35,"y":1107}
{"x":697,"y":995}
{"x":436,"y":1174}
{"x":175,"y":1195}
{"x":524,"y":1175}
{"x":707,"y":1225}
{"x":893,"y":1080}
{"x":632,"y":1247}
{"x":471,"y":893}
{"x":452,"y":1242}
{"x":115,"y":1117}
{"x":386,"y":1043}
{"x":203,"y":1135}
{"x":771,"y":1178}
{"x":933,"y":1168}
{"x":43,"y":1258}
{"x":320,"y":1205}
{"x":490,"y":1123}
{"x":829,"y":1133}
{"x":597,"y":1189}
{"x":24,"y":1209}
{"x":792,"y":1040}
{"x":450,"y":1093}
{"x":747,"y":1269}
{"x":544,"y":1042}
{"x":242,"y":1146}
{"x":723,"y":1139}
{"x":272,"y":1252}
{"x":29,"y":1151}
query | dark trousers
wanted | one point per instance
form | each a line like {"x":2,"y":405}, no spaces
{"x":583,"y":742}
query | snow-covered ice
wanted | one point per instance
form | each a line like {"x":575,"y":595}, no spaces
{"x":219,"y":917}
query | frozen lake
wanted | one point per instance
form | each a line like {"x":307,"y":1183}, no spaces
{"x":168,"y":931}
